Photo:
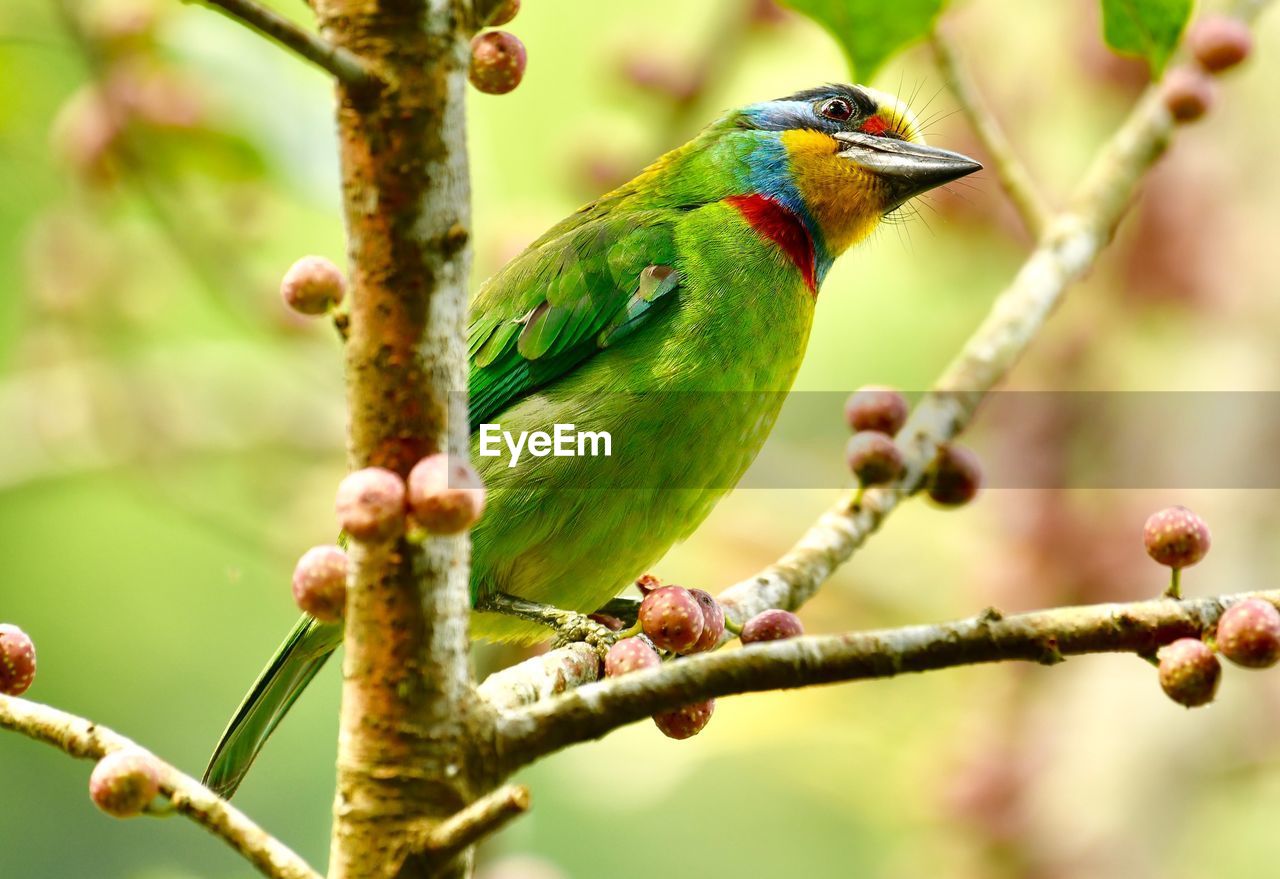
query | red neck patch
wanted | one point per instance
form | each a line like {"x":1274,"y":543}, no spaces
{"x":774,"y":222}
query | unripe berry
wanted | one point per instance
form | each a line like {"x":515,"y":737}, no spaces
{"x":628,"y":655}
{"x":687,"y":721}
{"x":124,"y":782}
{"x":1187,"y":93}
{"x":370,"y":504}
{"x":313,"y":285}
{"x":497,"y":62}
{"x":712,"y":621}
{"x":320,"y":583}
{"x":955,"y":477}
{"x":1176,"y":537}
{"x":873,"y":457}
{"x":17,"y":660}
{"x":1189,"y":672}
{"x":1220,"y":42}
{"x":876,"y":408}
{"x":672,"y":618}
{"x":445,"y":494}
{"x":771,"y":625}
{"x":1249,"y":633}
{"x":503,"y":13}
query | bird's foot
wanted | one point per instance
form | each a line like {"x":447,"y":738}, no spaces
{"x":570,"y":626}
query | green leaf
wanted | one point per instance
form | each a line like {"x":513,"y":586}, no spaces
{"x":870,"y":31}
{"x":1147,"y":28}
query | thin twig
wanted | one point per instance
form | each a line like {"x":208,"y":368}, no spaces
{"x":345,"y":66}
{"x":1068,"y":247}
{"x":1012,"y":174}
{"x":487,"y":815}
{"x":88,"y":740}
{"x":1045,"y":637}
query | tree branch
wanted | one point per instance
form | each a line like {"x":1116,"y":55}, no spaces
{"x":411,"y":728}
{"x":1012,"y":174}
{"x":348,"y":68}
{"x":1045,"y":637}
{"x":1068,"y":246}
{"x":88,"y":740}
{"x":487,"y":815}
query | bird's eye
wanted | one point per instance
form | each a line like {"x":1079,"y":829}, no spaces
{"x":837,"y":109}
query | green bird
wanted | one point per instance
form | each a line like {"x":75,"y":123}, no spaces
{"x":671,"y":314}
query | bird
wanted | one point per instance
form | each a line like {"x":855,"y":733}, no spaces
{"x":672,"y":314}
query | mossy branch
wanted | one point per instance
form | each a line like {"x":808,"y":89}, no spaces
{"x":1046,"y":637}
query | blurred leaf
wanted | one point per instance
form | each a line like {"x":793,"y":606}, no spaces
{"x":1146,"y":28}
{"x":870,"y":31}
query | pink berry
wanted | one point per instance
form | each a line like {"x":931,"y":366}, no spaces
{"x":1249,"y":633}
{"x":1176,"y":537}
{"x":1220,"y":42}
{"x":686,"y":721}
{"x":371,"y":504}
{"x":672,"y":618}
{"x":628,"y":655}
{"x":1187,"y":93}
{"x":712,"y":621}
{"x":497,"y":62}
{"x":771,"y":625}
{"x":955,"y":477}
{"x":17,"y":660}
{"x":125,"y":782}
{"x":873,"y":457}
{"x":313,"y":285}
{"x":320,"y":583}
{"x":876,"y":408}
{"x":445,"y":494}
{"x":1189,"y":672}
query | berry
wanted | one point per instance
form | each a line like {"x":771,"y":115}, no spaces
{"x":687,"y":721}
{"x":445,"y":494}
{"x":313,"y":285}
{"x":608,"y":620}
{"x":1249,"y":633}
{"x":876,"y":408}
{"x":17,"y":660}
{"x":503,"y":13}
{"x":712,"y":621}
{"x":873,"y":457}
{"x":370,"y":504}
{"x":1220,"y":42}
{"x":955,"y":477}
{"x":1189,"y":672}
{"x":628,"y":655}
{"x":771,"y":625}
{"x":320,"y":583}
{"x":1176,"y":537}
{"x":124,"y":782}
{"x":497,"y":62}
{"x":1187,"y":93}
{"x":672,"y":618}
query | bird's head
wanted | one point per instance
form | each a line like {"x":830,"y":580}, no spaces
{"x":846,"y":155}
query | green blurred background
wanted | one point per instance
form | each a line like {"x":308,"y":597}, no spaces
{"x":170,"y":438}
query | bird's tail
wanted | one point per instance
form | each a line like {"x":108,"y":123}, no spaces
{"x":273,"y":694}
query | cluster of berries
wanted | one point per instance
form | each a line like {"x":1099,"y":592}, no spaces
{"x":1248,"y":632}
{"x":1218,"y":43}
{"x":498,"y":57}
{"x":875,"y":415}
{"x":682,"y":622}
{"x":442,"y":496}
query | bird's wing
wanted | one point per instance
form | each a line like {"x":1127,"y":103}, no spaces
{"x":563,"y":301}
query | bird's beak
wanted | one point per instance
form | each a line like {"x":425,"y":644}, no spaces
{"x":906,"y":169}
